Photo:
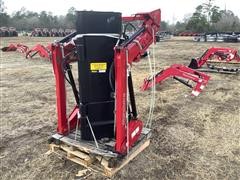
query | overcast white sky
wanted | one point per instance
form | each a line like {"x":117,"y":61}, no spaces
{"x":172,"y":10}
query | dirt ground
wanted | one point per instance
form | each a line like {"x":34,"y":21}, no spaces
{"x":193,"y":138}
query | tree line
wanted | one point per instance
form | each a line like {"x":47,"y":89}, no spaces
{"x":207,"y":17}
{"x":27,"y":20}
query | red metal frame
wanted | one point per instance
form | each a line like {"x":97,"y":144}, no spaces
{"x":135,"y":48}
{"x":65,"y":124}
{"x":16,"y":47}
{"x":151,"y":24}
{"x":178,"y":70}
{"x":43,"y":51}
{"x":124,"y":55}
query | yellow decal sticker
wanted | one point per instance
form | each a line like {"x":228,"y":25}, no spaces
{"x":98,"y":67}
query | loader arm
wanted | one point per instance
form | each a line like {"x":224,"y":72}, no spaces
{"x":175,"y":71}
{"x":131,"y":51}
{"x":223,"y":55}
{"x":128,"y":130}
{"x":41,"y":50}
{"x":16,"y":47}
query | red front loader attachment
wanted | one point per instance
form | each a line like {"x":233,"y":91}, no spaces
{"x":16,"y":47}
{"x":41,"y":50}
{"x":223,"y":60}
{"x":129,"y":136}
{"x":180,"y":73}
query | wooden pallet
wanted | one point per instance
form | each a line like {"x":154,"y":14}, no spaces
{"x":85,"y":156}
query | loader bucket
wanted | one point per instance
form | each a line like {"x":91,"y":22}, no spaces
{"x":193,"y":64}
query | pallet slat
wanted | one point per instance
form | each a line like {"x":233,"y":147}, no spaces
{"x":111,"y":171}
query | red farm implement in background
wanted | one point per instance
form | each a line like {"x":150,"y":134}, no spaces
{"x":223,"y":60}
{"x":182,"y":74}
{"x":188,"y":34}
{"x":8,"y":32}
{"x":37,"y":32}
{"x":42,"y":51}
{"x":16,"y":47}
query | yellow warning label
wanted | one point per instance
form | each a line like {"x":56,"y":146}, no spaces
{"x":99,"y":67}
